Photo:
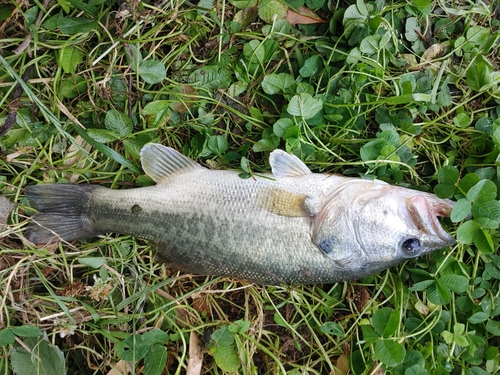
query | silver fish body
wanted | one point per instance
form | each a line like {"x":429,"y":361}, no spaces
{"x":291,"y":227}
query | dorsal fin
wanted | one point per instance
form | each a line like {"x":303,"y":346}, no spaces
{"x":287,"y":165}
{"x":160,"y":162}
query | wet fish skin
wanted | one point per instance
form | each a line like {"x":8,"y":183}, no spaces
{"x":293,"y":226}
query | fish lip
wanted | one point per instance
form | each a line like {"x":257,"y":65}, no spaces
{"x":424,"y":211}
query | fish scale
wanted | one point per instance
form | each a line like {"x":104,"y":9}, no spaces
{"x":288,"y":227}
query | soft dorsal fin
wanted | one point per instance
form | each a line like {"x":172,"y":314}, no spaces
{"x":160,"y":162}
{"x":287,"y":165}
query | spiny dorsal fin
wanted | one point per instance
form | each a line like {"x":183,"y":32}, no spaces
{"x":287,"y":165}
{"x":160,"y":162}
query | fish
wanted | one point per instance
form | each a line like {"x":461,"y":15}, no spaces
{"x":290,"y":226}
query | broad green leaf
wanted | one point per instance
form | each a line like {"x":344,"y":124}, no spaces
{"x":255,"y":52}
{"x":240,"y":4}
{"x":389,"y":352}
{"x":461,"y":210}
{"x":311,"y":66}
{"x":422,"y":285}
{"x":462,"y":120}
{"x":468,"y":181}
{"x":411,"y":27}
{"x":478,"y":76}
{"x":118,"y":122}
{"x":485,"y":125}
{"x":282,"y":125}
{"x":102,"y":135}
{"x":392,"y":324}
{"x":152,"y":71}
{"x":133,"y":56}
{"x":75,"y":25}
{"x":483,"y":241}
{"x":6,"y":337}
{"x":488,"y":209}
{"x":438,"y":294}
{"x":272,"y":9}
{"x":225,"y":351}
{"x":370,"y":44}
{"x":291,"y":132}
{"x":444,"y":191}
{"x":477,"y":34}
{"x":108,"y":152}
{"x":380,"y":319}
{"x":304,"y":105}
{"x":44,"y":359}
{"x":6,"y":11}
{"x":90,"y":9}
{"x":456,"y":283}
{"x":155,"y":107}
{"x":30,"y":16}
{"x":277,"y":83}
{"x":478,"y":317}
{"x":134,"y":347}
{"x":281,"y":26}
{"x":466,"y":232}
{"x":217,"y":144}
{"x":266,"y":144}
{"x":72,"y":86}
{"x":448,"y":175}
{"x":476,"y":371}
{"x":369,"y":334}
{"x":70,"y":57}
{"x":156,"y":360}
{"x":483,"y":191}
{"x":493,"y":269}
{"x":26,"y":331}
{"x":372,"y":149}
{"x":305,"y":88}
{"x":416,"y":370}
{"x":155,"y":336}
{"x":493,"y":327}
{"x":211,"y":78}
{"x":496,"y":137}
{"x":245,"y":164}
{"x":93,"y":262}
{"x":424,"y":6}
{"x":332,"y":328}
{"x":239,"y":326}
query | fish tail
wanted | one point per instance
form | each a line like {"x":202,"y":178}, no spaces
{"x":63,"y":213}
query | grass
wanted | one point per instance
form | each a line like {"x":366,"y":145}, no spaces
{"x":404,"y":92}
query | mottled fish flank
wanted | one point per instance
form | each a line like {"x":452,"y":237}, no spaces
{"x":289,"y":227}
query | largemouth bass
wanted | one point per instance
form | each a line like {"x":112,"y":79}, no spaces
{"x":292,"y":226}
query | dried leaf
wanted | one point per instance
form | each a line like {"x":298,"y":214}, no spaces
{"x":6,"y":207}
{"x":433,"y":52}
{"x":121,"y":368}
{"x":303,"y":16}
{"x":195,"y":357}
{"x":182,"y":315}
{"x":76,"y":157}
{"x":341,"y":366}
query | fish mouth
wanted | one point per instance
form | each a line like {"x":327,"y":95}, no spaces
{"x":424,"y":212}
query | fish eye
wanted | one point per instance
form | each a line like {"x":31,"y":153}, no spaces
{"x":411,"y":246}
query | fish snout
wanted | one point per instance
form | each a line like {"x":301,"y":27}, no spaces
{"x":424,"y":211}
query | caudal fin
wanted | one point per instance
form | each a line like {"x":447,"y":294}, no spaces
{"x":63,"y":213}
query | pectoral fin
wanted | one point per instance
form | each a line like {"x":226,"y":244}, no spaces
{"x":282,"y":202}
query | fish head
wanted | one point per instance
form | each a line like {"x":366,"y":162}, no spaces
{"x":370,"y":226}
